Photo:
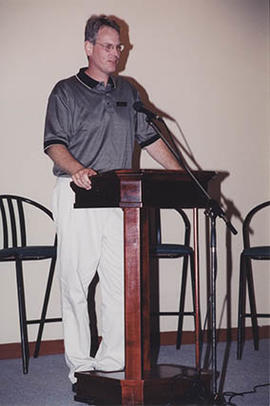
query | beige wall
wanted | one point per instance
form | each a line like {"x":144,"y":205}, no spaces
{"x":203,"y":62}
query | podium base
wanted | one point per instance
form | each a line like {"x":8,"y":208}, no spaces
{"x":162,"y":385}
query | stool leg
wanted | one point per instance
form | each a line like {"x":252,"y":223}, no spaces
{"x":182,"y":302}
{"x":44,"y":307}
{"x":22,"y":316}
{"x":241,"y":307}
{"x":252,"y":303}
{"x":192,"y":272}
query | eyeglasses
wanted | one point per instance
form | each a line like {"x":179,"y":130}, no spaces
{"x":110,"y":47}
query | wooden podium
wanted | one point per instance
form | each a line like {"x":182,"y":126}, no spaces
{"x":136,"y":192}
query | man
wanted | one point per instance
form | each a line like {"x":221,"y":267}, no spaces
{"x":91,"y":127}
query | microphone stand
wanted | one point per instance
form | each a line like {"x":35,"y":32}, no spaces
{"x":212,"y":211}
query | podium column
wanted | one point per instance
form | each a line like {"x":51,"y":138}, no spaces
{"x":137,"y":312}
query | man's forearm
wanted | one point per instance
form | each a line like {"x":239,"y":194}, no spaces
{"x":161,"y":153}
{"x":63,"y":158}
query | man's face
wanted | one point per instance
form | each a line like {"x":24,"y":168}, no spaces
{"x":103,"y":60}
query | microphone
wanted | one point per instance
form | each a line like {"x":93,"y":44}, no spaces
{"x":139,"y":107}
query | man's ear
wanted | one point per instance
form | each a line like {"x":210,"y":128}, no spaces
{"x":88,"y":46}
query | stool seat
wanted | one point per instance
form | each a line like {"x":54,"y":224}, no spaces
{"x":257,"y":252}
{"x":33,"y":252}
{"x":172,"y":250}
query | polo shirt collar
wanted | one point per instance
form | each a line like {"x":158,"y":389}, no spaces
{"x":90,"y":82}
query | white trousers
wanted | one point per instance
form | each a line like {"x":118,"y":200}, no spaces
{"x":89,"y":240}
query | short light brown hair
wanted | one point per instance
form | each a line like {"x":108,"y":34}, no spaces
{"x":94,"y":23}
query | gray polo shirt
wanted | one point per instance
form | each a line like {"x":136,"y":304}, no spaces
{"x":97,"y":124}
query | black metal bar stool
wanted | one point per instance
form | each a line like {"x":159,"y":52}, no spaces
{"x":185,"y":251}
{"x":248,"y":254}
{"x":16,"y":249}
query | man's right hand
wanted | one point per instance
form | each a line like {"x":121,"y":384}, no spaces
{"x":63,"y":158}
{"x":82,"y":178}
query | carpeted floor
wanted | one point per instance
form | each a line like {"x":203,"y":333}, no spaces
{"x":47,"y":384}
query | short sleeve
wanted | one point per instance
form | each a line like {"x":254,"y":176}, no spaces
{"x":58,"y":119}
{"x":144,"y":133}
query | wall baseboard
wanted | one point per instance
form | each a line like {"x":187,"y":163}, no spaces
{"x":50,"y":347}
{"x":223,"y":334}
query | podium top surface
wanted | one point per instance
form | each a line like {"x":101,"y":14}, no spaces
{"x":161,"y":174}
{"x":144,"y":188}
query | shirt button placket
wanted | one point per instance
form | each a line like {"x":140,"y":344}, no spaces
{"x":108,"y":103}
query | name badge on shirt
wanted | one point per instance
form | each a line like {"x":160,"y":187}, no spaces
{"x":121,"y":104}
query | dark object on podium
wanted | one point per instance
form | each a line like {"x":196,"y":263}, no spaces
{"x":141,"y":382}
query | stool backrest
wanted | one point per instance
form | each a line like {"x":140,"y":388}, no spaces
{"x":186,"y":222}
{"x":13,"y":219}
{"x":247,"y":221}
